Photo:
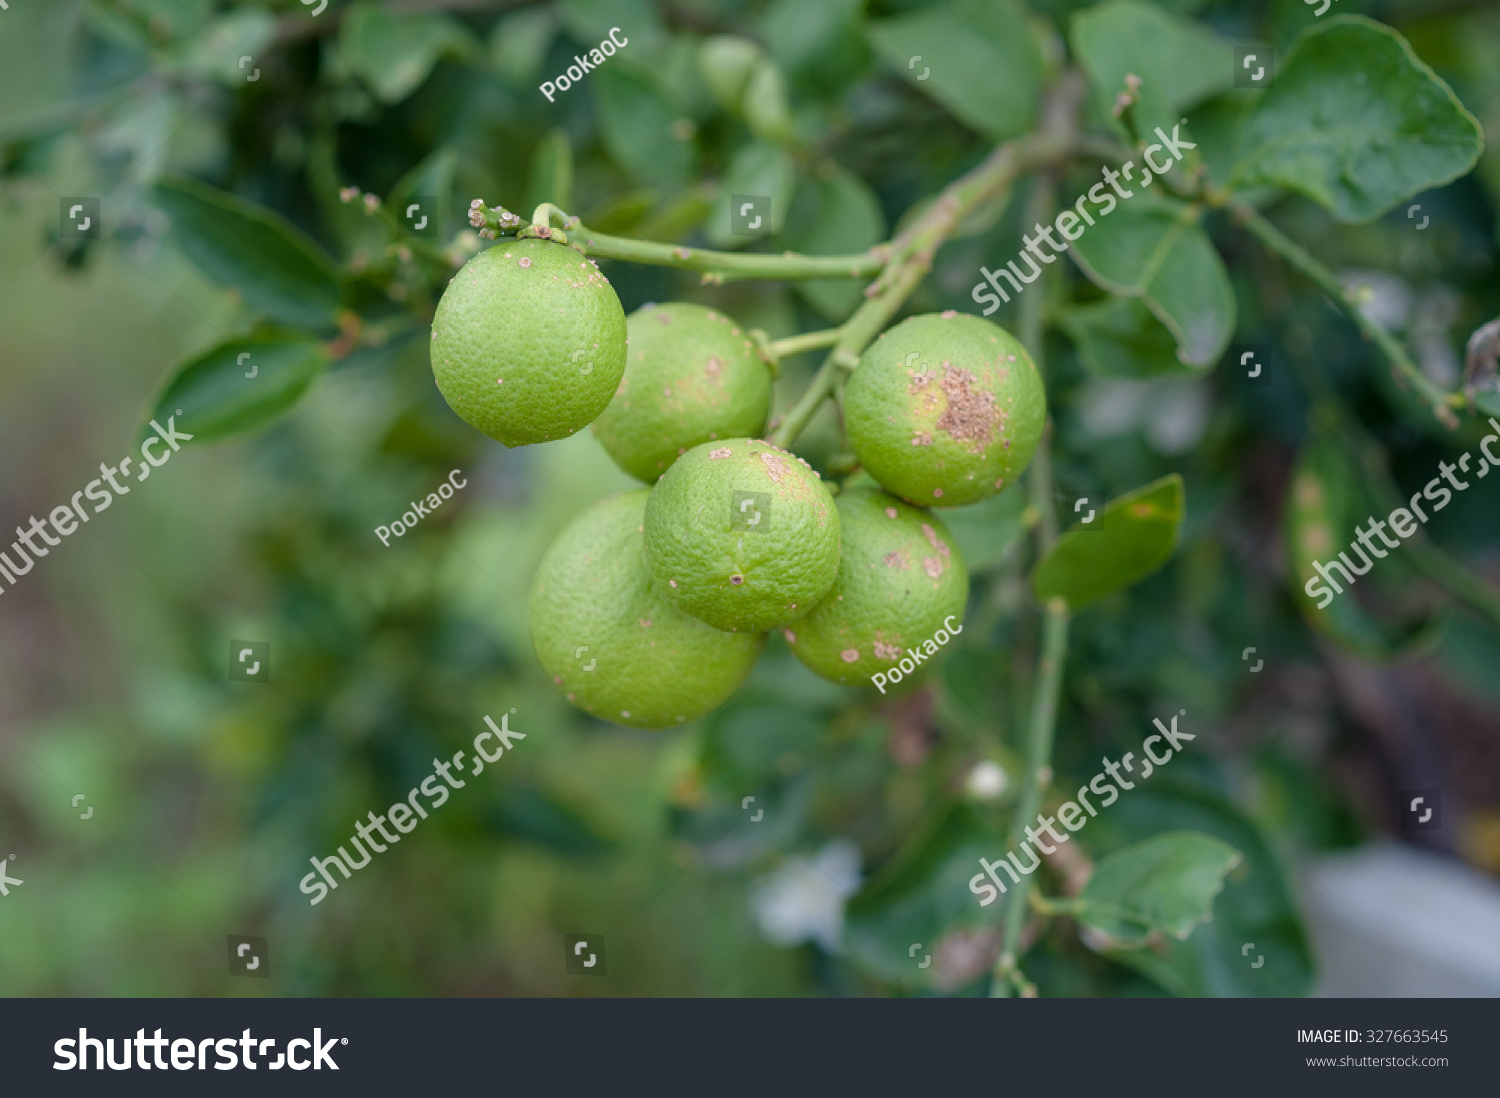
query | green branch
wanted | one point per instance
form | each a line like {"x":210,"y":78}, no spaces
{"x":1441,"y":402}
{"x":1054,"y":648}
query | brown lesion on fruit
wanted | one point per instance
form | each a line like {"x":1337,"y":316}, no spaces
{"x":736,"y":579}
{"x":791,"y":638}
{"x":939,"y":546}
{"x":721,"y":452}
{"x":971,"y":417}
{"x":714,"y":367}
{"x":776,"y":469}
{"x":645,"y":623}
{"x":921,"y":438}
{"x":886,"y":651}
{"x":849,"y":655}
{"x":933,"y":567}
{"x":899,"y":559}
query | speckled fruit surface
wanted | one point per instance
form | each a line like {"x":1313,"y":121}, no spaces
{"x":528,"y":342}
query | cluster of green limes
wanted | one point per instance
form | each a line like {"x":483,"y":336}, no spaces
{"x":651,"y":608}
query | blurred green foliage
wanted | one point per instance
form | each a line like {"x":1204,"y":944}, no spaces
{"x":224,"y":139}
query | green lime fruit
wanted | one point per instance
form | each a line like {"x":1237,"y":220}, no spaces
{"x":528,"y":342}
{"x":611,"y":642}
{"x":691,"y":376}
{"x":743,"y":535}
{"x":899,"y":596}
{"x":945,"y":410}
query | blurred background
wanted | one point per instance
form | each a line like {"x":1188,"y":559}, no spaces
{"x":203,"y":796}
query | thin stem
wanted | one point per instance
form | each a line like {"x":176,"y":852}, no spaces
{"x":1054,"y":648}
{"x":807,"y":341}
{"x":1439,"y":400}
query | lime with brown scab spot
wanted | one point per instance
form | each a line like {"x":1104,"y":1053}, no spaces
{"x":945,"y":410}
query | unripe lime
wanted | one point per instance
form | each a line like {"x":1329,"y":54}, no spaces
{"x":901,"y":587}
{"x":945,"y":410}
{"x":611,"y":642}
{"x":691,"y":376}
{"x":743,"y":535}
{"x":528,"y":342}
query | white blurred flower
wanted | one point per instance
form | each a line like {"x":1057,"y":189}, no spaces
{"x":803,"y":900}
{"x":986,"y":781}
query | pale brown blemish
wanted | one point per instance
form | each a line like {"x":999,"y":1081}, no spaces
{"x":736,"y":579}
{"x":890,"y":512}
{"x":971,"y":416}
{"x":898,"y":558}
{"x":999,"y":484}
{"x":949,"y":314}
{"x":933,"y":540}
{"x":937,"y":493}
{"x":776,"y":469}
{"x":791,"y":638}
{"x":932,"y":566}
{"x":921,"y":438}
{"x":887,"y":651}
{"x":672,"y":583}
{"x":645,"y":623}
{"x":714,"y":367}
{"x":526,"y":261}
{"x":849,"y":655}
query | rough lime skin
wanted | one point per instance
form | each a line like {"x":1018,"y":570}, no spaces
{"x":691,"y":376}
{"x":945,"y":410}
{"x":743,"y":535}
{"x":528,"y":342}
{"x":612,"y":643}
{"x":900,"y":578}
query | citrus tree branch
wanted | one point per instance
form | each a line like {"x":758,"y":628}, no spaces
{"x":1054,"y":647}
{"x":1439,"y":400}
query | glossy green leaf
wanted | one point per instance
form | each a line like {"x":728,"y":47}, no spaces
{"x":835,"y":213}
{"x":1324,"y":506}
{"x":1255,"y":944}
{"x":635,"y":122}
{"x":1165,"y":885}
{"x":922,"y":894}
{"x":1155,"y":249}
{"x":1357,"y":122}
{"x":394,"y":53}
{"x":1119,"y":338}
{"x":212,"y":397}
{"x":281,"y":273}
{"x":1179,"y":63}
{"x":1127,"y":541}
{"x":821,"y":46}
{"x":975,"y":57}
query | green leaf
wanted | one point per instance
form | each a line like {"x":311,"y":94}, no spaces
{"x":1165,"y":885}
{"x":1357,"y":122}
{"x":1179,"y":63}
{"x":393,"y":53}
{"x":1255,"y":910}
{"x":821,"y":46}
{"x":922,"y":894}
{"x":835,"y":213}
{"x":757,"y":169}
{"x":1127,"y":541}
{"x":985,"y":531}
{"x":975,"y":57}
{"x":1155,"y":249}
{"x":281,"y":273}
{"x":1119,"y":338}
{"x":635,"y":123}
{"x":765,"y":103}
{"x":639,"y":23}
{"x":551,"y":175}
{"x":1324,"y":506}
{"x":726,"y":62}
{"x":213,"y":399}
{"x":519,"y":44}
